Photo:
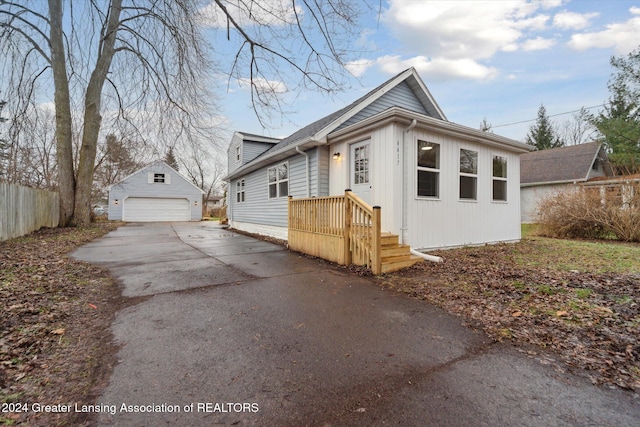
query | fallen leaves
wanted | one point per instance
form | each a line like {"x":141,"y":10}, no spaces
{"x":590,"y":319}
{"x":51,"y":345}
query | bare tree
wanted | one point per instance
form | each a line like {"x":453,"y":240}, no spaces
{"x":117,"y":158}
{"x":145,"y":54}
{"x":578,"y":129}
{"x":147,"y":61}
{"x":205,"y":169}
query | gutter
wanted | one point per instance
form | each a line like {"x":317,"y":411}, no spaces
{"x":306,"y":170}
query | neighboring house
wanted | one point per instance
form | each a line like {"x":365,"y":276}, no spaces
{"x":157,"y":192}
{"x":546,"y":172}
{"x":623,"y":190}
{"x":439,"y":184}
{"x":214,"y":202}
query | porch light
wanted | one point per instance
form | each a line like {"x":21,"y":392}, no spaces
{"x":336,"y":155}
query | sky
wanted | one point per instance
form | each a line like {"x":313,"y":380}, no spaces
{"x":495,"y":60}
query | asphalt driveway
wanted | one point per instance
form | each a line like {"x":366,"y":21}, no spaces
{"x":225,"y":329}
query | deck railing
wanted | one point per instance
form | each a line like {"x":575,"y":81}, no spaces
{"x":342,"y":229}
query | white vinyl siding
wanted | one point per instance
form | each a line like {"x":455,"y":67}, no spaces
{"x":447,"y":222}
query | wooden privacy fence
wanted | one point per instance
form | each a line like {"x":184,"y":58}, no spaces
{"x":25,"y":209}
{"x":342,"y":229}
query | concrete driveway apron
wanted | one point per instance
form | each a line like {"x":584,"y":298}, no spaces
{"x":225,"y":329}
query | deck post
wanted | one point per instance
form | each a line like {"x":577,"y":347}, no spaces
{"x":348,"y":217}
{"x":289,"y":218}
{"x":376,"y":247}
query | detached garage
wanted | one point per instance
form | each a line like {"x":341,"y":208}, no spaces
{"x":156,"y":192}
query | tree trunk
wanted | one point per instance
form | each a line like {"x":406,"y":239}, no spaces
{"x":92,"y":118}
{"x":64,"y":147}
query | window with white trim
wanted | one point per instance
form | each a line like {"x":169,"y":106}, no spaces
{"x":428,"y":165}
{"x":240,"y":191}
{"x":468,"y":174}
{"x":278,"y":181}
{"x":158,"y":177}
{"x":238,"y":153}
{"x":499,"y":190}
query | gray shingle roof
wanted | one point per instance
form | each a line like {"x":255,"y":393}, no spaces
{"x":564,"y":164}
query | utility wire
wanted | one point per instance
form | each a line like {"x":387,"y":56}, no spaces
{"x":553,"y":115}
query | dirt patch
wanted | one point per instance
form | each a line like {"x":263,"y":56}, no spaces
{"x":590,"y":320}
{"x":55,"y":344}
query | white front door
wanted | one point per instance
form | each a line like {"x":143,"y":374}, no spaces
{"x":360,"y":173}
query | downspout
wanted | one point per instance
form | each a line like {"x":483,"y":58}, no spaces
{"x":306,"y":170}
{"x":405,"y":202}
{"x":405,"y":184}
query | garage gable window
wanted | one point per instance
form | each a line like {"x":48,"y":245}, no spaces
{"x":158,"y":178}
{"x":279,"y":181}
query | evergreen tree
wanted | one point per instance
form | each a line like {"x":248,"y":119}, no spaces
{"x":171,"y":160}
{"x":619,"y":122}
{"x":542,"y":135}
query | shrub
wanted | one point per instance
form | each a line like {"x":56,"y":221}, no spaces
{"x":590,"y":213}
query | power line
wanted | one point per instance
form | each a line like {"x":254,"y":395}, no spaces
{"x":553,"y":115}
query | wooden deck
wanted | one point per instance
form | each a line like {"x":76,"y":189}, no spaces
{"x":345,"y":230}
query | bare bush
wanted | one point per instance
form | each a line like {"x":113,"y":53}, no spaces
{"x":592,"y":213}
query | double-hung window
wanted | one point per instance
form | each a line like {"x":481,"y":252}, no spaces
{"x":428,"y":165}
{"x":279,"y":181}
{"x":468,"y":174}
{"x":499,"y":192}
{"x":240,"y":191}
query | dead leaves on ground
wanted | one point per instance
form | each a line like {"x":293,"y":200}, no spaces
{"x":591,"y":320}
{"x":48,"y":328}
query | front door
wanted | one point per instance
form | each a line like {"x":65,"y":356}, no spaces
{"x":360,"y":170}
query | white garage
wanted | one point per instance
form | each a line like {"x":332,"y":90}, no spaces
{"x":156,"y":192}
{"x":145,"y":209}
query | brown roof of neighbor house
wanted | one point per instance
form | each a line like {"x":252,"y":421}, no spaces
{"x":564,"y":164}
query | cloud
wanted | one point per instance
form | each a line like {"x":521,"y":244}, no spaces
{"x":621,"y":36}
{"x":265,"y":86}
{"x":567,"y":20}
{"x":538,"y":43}
{"x":464,"y":29}
{"x":272,"y":13}
{"x":438,"y":68}
{"x":359,"y":67}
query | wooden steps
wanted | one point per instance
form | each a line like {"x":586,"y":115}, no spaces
{"x":395,"y":256}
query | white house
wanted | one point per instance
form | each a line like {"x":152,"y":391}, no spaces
{"x":547,"y":172}
{"x":439,"y":184}
{"x":157,"y":192}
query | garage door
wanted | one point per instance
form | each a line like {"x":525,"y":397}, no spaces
{"x":146,"y":209}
